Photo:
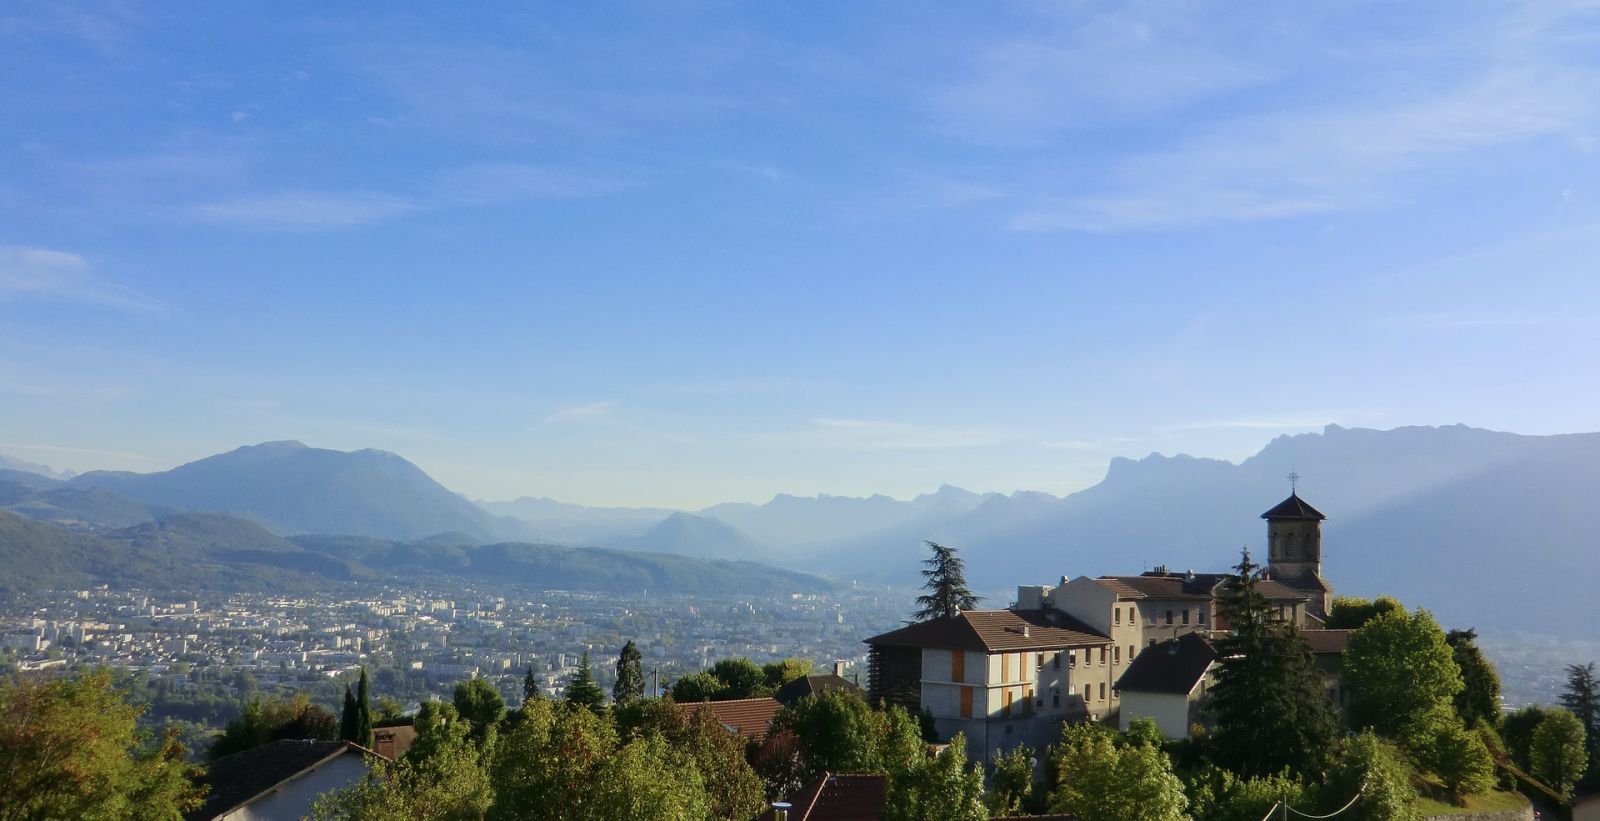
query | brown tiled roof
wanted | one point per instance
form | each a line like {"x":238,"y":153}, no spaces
{"x":994,"y":631}
{"x":1173,"y":666}
{"x":393,"y":742}
{"x":1293,"y":507}
{"x":1327,"y":641}
{"x":838,"y":797}
{"x":813,"y":685}
{"x":1153,"y":586}
{"x":237,"y":779}
{"x":1276,"y":590}
{"x":748,"y":717}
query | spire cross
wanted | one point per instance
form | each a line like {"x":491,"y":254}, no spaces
{"x":1294,"y":482}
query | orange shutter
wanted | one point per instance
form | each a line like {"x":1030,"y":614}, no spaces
{"x":958,"y":666}
{"x":1027,"y":699}
{"x":1005,"y":666}
{"x":966,"y":702}
{"x":1007,"y":711}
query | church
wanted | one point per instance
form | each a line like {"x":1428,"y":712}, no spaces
{"x":1106,"y":648}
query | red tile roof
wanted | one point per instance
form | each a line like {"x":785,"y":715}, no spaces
{"x":748,"y":717}
{"x":838,"y":797}
{"x":995,"y":631}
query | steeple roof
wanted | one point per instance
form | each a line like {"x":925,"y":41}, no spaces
{"x":1294,"y":508}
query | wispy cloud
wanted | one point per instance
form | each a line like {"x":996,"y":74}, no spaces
{"x":866,"y":434}
{"x":593,"y":410}
{"x":44,"y":273}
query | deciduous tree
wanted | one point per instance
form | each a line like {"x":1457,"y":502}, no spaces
{"x":1480,"y":692}
{"x":1401,"y":675}
{"x":1096,"y":780}
{"x":481,"y":706}
{"x":1557,"y":751}
{"x":937,"y":788}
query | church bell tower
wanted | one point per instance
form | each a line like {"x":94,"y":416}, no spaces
{"x":1294,"y":549}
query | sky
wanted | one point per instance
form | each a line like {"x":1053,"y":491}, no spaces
{"x":678,"y":254}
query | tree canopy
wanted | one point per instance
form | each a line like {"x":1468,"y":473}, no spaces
{"x":1098,"y":780}
{"x":630,"y":674}
{"x":1480,"y":692}
{"x":582,"y":689}
{"x":946,"y":583}
{"x":1401,"y":676}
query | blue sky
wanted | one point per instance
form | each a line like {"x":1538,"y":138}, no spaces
{"x":680,"y":254}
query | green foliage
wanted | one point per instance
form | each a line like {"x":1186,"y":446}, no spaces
{"x":740,"y":678}
{"x":1011,"y":788}
{"x":1400,"y":674}
{"x":648,"y":780}
{"x":1351,"y":613}
{"x":582,"y":689}
{"x":775,"y":674}
{"x":271,"y":719}
{"x":630,"y":674}
{"x":701,"y":686}
{"x":70,"y":748}
{"x":937,"y":788}
{"x":1462,"y":761}
{"x":442,"y":778}
{"x":837,"y":732}
{"x":530,"y":686}
{"x":479,"y":704}
{"x":1098,"y":781}
{"x":1218,"y":795}
{"x":1143,"y":730}
{"x":349,"y":721}
{"x":946,"y":584}
{"x":1375,"y":768}
{"x":732,"y":785}
{"x":1480,"y":692}
{"x":1270,"y":706}
{"x":1557,"y":751}
{"x":1517,"y":727}
{"x":1581,"y":697}
{"x":363,"y":712}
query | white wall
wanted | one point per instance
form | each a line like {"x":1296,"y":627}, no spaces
{"x":1086,"y":600}
{"x":293,"y":799}
{"x":1171,"y":712}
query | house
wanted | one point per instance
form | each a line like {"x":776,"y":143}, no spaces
{"x":747,"y":718}
{"x":1327,"y":647}
{"x":1165,"y":683}
{"x":834,"y":797}
{"x":278,"y":780}
{"x":813,"y":686}
{"x":393,"y":742}
{"x":1000,"y":677}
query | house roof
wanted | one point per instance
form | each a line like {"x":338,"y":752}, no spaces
{"x":241,"y":778}
{"x":1191,"y":586}
{"x":812,"y":685}
{"x":393,"y":742}
{"x":1173,"y":666}
{"x":838,"y":797}
{"x":747,"y":717}
{"x":994,"y":631}
{"x":1327,"y":641}
{"x":1294,"y":507}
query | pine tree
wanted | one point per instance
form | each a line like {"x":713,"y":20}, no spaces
{"x":1480,"y":697}
{"x":363,"y":712}
{"x":349,"y":720}
{"x":583,"y":691}
{"x":1271,"y":709}
{"x":946,"y":585}
{"x":1582,"y":698}
{"x":630,"y":674}
{"x":530,"y":687}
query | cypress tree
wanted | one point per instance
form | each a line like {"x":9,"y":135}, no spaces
{"x":348,"y":719}
{"x":1270,"y":706}
{"x":946,"y":584}
{"x":630,"y":674}
{"x":363,"y":712}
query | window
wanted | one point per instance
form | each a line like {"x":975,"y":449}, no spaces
{"x":1116,"y":656}
{"x":1102,"y":691}
{"x":1056,"y":663}
{"x":1152,"y":643}
{"x":1055,"y":699}
{"x":1130,"y":614}
{"x":958,"y":666}
{"x":1130,"y":654}
{"x":1185,"y":615}
{"x":1102,"y":655}
{"x":1072,"y":659}
{"x":966,"y":702}
{"x":1116,"y":613}
{"x":1200,"y":615}
{"x":1169,"y":617}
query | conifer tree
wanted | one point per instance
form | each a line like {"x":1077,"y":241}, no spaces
{"x":582,"y":689}
{"x":530,"y":686}
{"x":630,"y":674}
{"x":349,"y":721}
{"x":1269,"y":703}
{"x":1480,"y":695}
{"x":1582,"y":698}
{"x":946,"y":584}
{"x":363,"y":712}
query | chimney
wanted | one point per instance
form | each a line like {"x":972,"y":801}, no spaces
{"x":1025,"y":631}
{"x":1064,"y":581}
{"x":839,"y":666}
{"x":780,"y":810}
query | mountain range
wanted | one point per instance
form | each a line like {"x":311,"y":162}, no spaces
{"x":1488,"y":529}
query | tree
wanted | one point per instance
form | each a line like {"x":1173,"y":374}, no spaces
{"x":837,"y":732}
{"x":481,"y":705}
{"x":630,"y":674}
{"x":946,"y":585}
{"x":1350,"y":612}
{"x":1401,"y":676}
{"x":1516,"y":729}
{"x":1377,"y":770}
{"x":646,"y":781}
{"x":1582,"y":698}
{"x":1269,"y":703}
{"x":530,"y":686}
{"x":442,"y":778}
{"x":349,"y":720}
{"x":701,"y":686}
{"x":733,"y":788}
{"x":273,"y":719}
{"x":363,"y":712}
{"x":1557,"y":751}
{"x":546,"y":764}
{"x":1216,"y":794}
{"x":1012,"y":782}
{"x":71,"y":748}
{"x":740,"y":678}
{"x":938,"y":788}
{"x":1098,"y":781}
{"x":1480,"y":691}
{"x":583,"y":691}
{"x":1461,"y":759}
{"x":775,"y":674}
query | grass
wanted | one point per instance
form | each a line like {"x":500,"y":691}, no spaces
{"x":1488,"y":802}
